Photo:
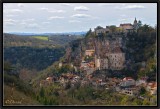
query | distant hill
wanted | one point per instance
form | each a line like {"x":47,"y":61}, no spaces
{"x":63,"y":33}
{"x":50,"y":41}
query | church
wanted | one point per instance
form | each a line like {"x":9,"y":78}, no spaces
{"x":127,"y":27}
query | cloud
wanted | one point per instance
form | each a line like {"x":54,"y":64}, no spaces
{"x":57,"y":11}
{"x":20,"y":5}
{"x":65,"y":4}
{"x":32,"y":25}
{"x":16,"y":10}
{"x":134,"y":7}
{"x":123,"y":15}
{"x":74,"y":21}
{"x":52,"y":10}
{"x":110,"y":4}
{"x":9,"y":22}
{"x":23,"y":23}
{"x":81,"y":8}
{"x":44,"y":9}
{"x":55,"y":17}
{"x":8,"y":11}
{"x":10,"y":15}
{"x":130,"y":7}
{"x":126,"y":20}
{"x":105,"y":4}
{"x":28,"y":20}
{"x":45,"y":22}
{"x":122,"y":19}
{"x":81,"y":15}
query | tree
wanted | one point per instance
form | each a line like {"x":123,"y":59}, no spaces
{"x":137,"y":102}
{"x":146,"y":28}
{"x":89,"y":32}
{"x":146,"y":102}
{"x":7,"y":66}
{"x":125,"y":100}
{"x":142,"y":91}
{"x":24,"y":75}
{"x":139,"y":23}
{"x":42,"y":92}
{"x":112,"y":28}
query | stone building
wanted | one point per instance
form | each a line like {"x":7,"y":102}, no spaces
{"x":126,"y":27}
{"x":104,"y":63}
{"x":89,"y":52}
{"x":127,"y":82}
{"x":116,"y":61}
{"x":135,"y":25}
{"x":110,"y":58}
{"x":100,"y":30}
{"x":97,"y":62}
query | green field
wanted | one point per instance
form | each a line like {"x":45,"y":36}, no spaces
{"x":41,"y":37}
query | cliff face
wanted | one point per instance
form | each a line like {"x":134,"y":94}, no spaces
{"x":75,"y":52}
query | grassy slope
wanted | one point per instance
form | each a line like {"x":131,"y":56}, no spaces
{"x":18,"y":96}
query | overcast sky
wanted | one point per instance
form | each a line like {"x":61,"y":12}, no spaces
{"x":64,"y":17}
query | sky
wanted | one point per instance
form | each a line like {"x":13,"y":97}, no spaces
{"x":73,"y":17}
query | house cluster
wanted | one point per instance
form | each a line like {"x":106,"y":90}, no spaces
{"x":131,"y":87}
{"x":126,"y":27}
{"x":127,"y":85}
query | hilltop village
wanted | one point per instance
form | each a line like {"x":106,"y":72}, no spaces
{"x":92,"y":57}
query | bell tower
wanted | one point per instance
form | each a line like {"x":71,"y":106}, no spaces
{"x":135,"y":21}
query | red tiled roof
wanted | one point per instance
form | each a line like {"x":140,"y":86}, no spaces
{"x":126,"y":24}
{"x":127,"y":78}
{"x":152,"y":84}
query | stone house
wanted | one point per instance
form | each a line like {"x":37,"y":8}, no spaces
{"x":127,"y":82}
{"x":60,"y":64}
{"x":152,"y":88}
{"x":130,"y":91}
{"x":49,"y":79}
{"x":126,"y":27}
{"x":142,"y":81}
{"x":89,"y":52}
{"x":100,"y":30}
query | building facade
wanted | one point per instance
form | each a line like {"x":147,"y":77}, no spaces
{"x":100,"y":30}
{"x":126,"y":27}
{"x":89,"y":52}
{"x":116,"y":61}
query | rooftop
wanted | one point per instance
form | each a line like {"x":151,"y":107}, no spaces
{"x":126,"y":24}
